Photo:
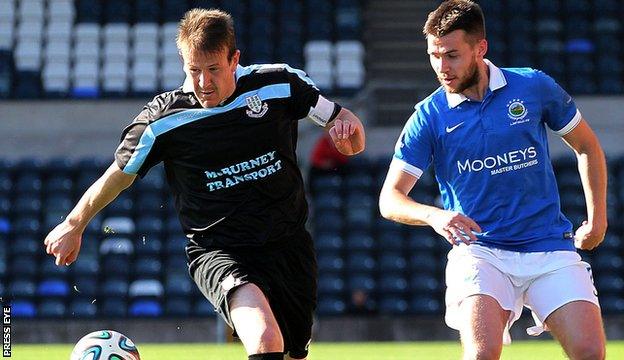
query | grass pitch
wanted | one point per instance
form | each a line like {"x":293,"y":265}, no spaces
{"x":518,"y":350}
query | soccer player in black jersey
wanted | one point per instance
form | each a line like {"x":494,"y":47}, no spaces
{"x":227,"y":139}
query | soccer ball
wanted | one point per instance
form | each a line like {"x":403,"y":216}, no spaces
{"x":105,"y":345}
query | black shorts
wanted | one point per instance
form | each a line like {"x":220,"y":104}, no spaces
{"x":286,"y":275}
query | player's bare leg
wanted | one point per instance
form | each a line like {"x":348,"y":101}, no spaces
{"x":482,"y":329}
{"x":578,"y":327}
{"x":254,"y":321}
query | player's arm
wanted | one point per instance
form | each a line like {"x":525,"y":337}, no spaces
{"x":347,"y":133}
{"x":63,"y":242}
{"x":396,"y":205}
{"x":592,"y":168}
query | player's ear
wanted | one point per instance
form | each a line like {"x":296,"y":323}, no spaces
{"x":234,"y":60}
{"x":482,"y":47}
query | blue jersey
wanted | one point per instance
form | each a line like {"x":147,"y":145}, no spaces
{"x":491,"y":157}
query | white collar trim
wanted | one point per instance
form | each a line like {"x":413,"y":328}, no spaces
{"x":497,"y":81}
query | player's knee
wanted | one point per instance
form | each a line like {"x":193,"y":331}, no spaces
{"x":587,"y":350}
{"x":271,"y":339}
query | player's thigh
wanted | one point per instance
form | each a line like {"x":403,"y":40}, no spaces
{"x":483,"y":323}
{"x":577,"y":325}
{"x":252,"y":315}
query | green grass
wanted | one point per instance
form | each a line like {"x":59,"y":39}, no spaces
{"x":519,"y":350}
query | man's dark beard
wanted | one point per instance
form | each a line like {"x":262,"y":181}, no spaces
{"x":470,"y":81}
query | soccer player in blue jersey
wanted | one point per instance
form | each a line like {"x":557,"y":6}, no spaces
{"x":484,"y":132}
{"x":227,"y":139}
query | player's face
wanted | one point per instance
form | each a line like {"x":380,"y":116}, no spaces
{"x":212,"y":74}
{"x":455,"y":60}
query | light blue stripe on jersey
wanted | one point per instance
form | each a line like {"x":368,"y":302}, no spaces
{"x":246,"y":70}
{"x":173,"y":121}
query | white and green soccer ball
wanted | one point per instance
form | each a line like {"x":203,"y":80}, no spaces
{"x":105,"y":345}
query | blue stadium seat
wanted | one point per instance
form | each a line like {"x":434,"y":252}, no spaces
{"x":22,"y":289}
{"x":328,"y":200}
{"x":203,"y":307}
{"x":123,"y":205}
{"x":328,"y":242}
{"x":59,"y":183}
{"x":58,"y":203}
{"x":28,"y":85}
{"x":610,"y":282}
{"x":393,"y":305}
{"x":147,"y":11}
{"x":117,"y":11}
{"x":178,"y":306}
{"x":608,"y":262}
{"x":24,"y":266}
{"x":392,"y":261}
{"x":114,"y":307}
{"x":116,"y":287}
{"x":358,"y":217}
{"x":423,"y":283}
{"x":329,"y":220}
{"x":330,"y":262}
{"x":348,"y":20}
{"x":85,"y":286}
{"x":53,"y":288}
{"x":47,"y":268}
{"x":27,"y":225}
{"x":326,"y":182}
{"x":82,"y":308}
{"x":86,"y":264}
{"x":29,"y":182}
{"x":54,"y":308}
{"x":151,"y":288}
{"x":612,"y":304}
{"x":605,"y":7}
{"x":176,"y":244}
{"x":23,"y":308}
{"x":360,"y":241}
{"x":116,"y":265}
{"x":149,"y":224}
{"x":6,"y":74}
{"x":145,"y":308}
{"x":424,"y":262}
{"x":364,"y":282}
{"x":178,"y":285}
{"x":173,"y":10}
{"x":26,"y":245}
{"x":422,"y":241}
{"x":150,"y":203}
{"x":147,"y":267}
{"x":148,"y":245}
{"x":548,"y":8}
{"x":89,"y":11}
{"x":27,"y":204}
{"x":360,"y":262}
{"x":393,"y":284}
{"x":331,"y":305}
{"x":391,"y":240}
{"x":330,"y":284}
{"x":425,"y":305}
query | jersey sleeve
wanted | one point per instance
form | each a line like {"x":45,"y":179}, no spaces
{"x":414,"y":149}
{"x":560,"y":112}
{"x":307,"y":101}
{"x":139,"y":150}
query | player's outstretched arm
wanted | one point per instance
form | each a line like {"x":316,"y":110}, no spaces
{"x":592,"y":167}
{"x":63,"y":242}
{"x":396,"y":205}
{"x":347,"y":133}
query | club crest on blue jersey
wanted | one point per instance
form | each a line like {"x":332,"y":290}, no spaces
{"x":516,"y":109}
{"x":257,"y":108}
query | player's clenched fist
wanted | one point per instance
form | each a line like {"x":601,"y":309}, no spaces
{"x":63,"y":242}
{"x":347,"y":133}
{"x":455,"y":227}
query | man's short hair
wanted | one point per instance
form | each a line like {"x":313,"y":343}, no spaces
{"x":454,"y":15}
{"x":207,"y":31}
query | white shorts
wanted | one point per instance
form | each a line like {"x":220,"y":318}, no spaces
{"x":541,"y":281}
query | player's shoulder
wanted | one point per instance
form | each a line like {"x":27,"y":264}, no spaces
{"x":165,"y":104}
{"x":432,"y":104}
{"x":270,"y":72}
{"x":523,"y":74}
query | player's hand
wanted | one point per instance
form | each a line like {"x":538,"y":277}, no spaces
{"x":342,"y":133}
{"x":455,"y":227}
{"x":589,"y":236}
{"x":63,"y":242}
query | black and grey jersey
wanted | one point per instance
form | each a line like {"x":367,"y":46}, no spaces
{"x":232,"y":169}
